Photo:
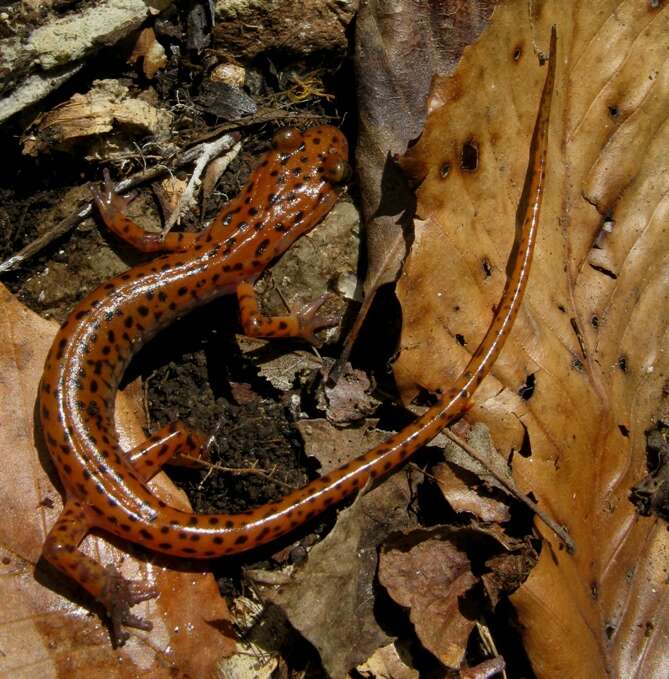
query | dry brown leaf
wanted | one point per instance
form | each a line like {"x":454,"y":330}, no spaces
{"x":334,"y":447}
{"x":429,"y":578}
{"x":350,"y":399}
{"x":592,"y":331}
{"x":44,"y":628}
{"x":399,"y":47}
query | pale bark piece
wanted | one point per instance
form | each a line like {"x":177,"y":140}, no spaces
{"x":38,"y":62}
{"x":247,"y":28}
{"x":331,"y":600}
{"x":43,"y":626}
{"x":581,"y":377}
{"x":429,"y":578}
{"x":107,"y":106}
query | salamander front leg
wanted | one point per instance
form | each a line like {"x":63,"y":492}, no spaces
{"x":302,"y":323}
{"x":106,"y":585}
{"x":112,"y":207}
{"x":168,"y":444}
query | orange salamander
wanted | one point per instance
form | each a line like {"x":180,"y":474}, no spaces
{"x":106,"y":487}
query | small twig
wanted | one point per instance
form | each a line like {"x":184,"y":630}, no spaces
{"x":508,"y":483}
{"x":153,"y":173}
{"x":238,"y":471}
{"x":209,"y":151}
{"x":266,"y":116}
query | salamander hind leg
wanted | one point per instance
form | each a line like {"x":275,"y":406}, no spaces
{"x":112,"y":207}
{"x":105,"y":585}
{"x":174,"y":443}
{"x":302,"y":323}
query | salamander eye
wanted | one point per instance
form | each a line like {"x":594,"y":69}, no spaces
{"x":337,"y":170}
{"x":287,"y":139}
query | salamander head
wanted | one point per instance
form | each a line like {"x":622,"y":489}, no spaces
{"x":291,"y":190}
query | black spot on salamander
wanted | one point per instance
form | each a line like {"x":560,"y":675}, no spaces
{"x":238,"y":266}
{"x":262,"y":247}
{"x":299,"y":216}
{"x":218,"y":540}
{"x":143,"y":310}
{"x":241,"y":539}
{"x":182,"y":291}
{"x":61,"y":347}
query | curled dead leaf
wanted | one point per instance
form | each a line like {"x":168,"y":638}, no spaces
{"x":429,"y":578}
{"x":463,"y":497}
{"x":150,"y":51}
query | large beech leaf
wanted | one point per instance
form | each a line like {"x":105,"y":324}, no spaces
{"x":582,"y":377}
{"x":45,"y":631}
